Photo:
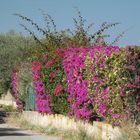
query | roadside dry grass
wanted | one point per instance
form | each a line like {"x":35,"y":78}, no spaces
{"x":129,"y":130}
{"x":80,"y":134}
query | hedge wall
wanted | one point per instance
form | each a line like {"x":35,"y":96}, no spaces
{"x":100,"y":82}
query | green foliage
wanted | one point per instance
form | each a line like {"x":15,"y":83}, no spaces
{"x":80,"y":36}
{"x":14,"y":48}
{"x":55,"y":84}
{"x":115,"y":79}
{"x":1,"y":91}
{"x":51,"y":39}
{"x":111,"y":76}
{"x":24,"y":77}
{"x":8,"y":108}
{"x":122,"y":75}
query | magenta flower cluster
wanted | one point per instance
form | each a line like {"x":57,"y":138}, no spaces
{"x":73,"y":64}
{"x":79,"y":98}
{"x":15,"y":90}
{"x":42,"y":99}
{"x":14,"y":83}
{"x":102,"y":94}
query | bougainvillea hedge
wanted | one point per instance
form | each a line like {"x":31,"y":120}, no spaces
{"x":15,"y":91}
{"x":114,"y":80}
{"x":42,"y":99}
{"x":100,"y":80}
{"x":49,"y":84}
{"x":79,"y":99}
{"x":54,"y":78}
{"x":132,"y":87}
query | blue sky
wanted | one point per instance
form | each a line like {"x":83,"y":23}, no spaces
{"x":127,"y":12}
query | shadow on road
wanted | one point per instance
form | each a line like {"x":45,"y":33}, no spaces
{"x":4,"y":131}
{"x":12,"y":132}
{"x":2,"y":116}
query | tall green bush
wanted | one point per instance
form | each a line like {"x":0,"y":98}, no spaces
{"x":14,"y":48}
{"x":24,"y":77}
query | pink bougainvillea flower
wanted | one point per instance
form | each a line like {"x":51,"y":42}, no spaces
{"x":73,"y":63}
{"x":50,"y":62}
{"x":110,"y":110}
{"x":51,"y":76}
{"x":42,"y":99}
{"x":16,"y":94}
{"x":58,"y":88}
{"x":115,"y":116}
{"x":36,"y":65}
